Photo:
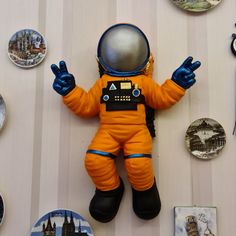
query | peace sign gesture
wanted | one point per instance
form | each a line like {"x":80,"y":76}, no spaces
{"x":184,"y":76}
{"x":64,"y":82}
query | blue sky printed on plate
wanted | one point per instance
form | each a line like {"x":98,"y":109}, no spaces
{"x":58,"y":216}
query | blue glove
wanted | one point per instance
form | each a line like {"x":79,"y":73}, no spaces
{"x":184,"y":76}
{"x":64,"y":82}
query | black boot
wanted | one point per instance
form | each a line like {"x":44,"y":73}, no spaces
{"x":105,"y":204}
{"x":146,"y":204}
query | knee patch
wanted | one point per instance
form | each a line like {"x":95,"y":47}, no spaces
{"x":140,"y":173}
{"x":102,"y":170}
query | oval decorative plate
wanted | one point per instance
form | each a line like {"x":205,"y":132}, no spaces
{"x":2,"y":112}
{"x":27,"y":48}
{"x":196,"y":5}
{"x":205,"y":138}
{"x":61,"y":222}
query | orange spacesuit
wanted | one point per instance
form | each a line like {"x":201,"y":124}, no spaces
{"x":121,"y":129}
{"x":121,"y":97}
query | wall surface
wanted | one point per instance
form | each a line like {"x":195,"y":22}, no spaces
{"x":43,"y":144}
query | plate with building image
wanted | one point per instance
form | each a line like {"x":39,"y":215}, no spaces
{"x":2,"y":112}
{"x":2,"y":209}
{"x":205,"y":138}
{"x":195,"y":221}
{"x":196,"y":5}
{"x":61,"y":222}
{"x":27,"y":48}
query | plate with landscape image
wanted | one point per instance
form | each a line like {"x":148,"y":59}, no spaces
{"x":61,"y":222}
{"x":196,"y":5}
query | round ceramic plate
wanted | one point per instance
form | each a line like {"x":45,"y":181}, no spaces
{"x":196,"y":5}
{"x":2,"y":112}
{"x":61,"y":222}
{"x":233,"y":45}
{"x":27,"y":48}
{"x":2,"y":209}
{"x":205,"y":138}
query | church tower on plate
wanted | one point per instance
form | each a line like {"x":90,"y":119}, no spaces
{"x":49,"y":229}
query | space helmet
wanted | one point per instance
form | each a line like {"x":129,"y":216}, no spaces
{"x":123,"y":50}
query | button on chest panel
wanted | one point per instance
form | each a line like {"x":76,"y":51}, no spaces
{"x":121,"y":95}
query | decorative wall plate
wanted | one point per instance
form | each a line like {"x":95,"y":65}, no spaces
{"x":196,"y":5}
{"x":61,"y":222}
{"x":233,"y":44}
{"x":27,"y":48}
{"x":205,"y":138}
{"x":2,"y":209}
{"x":199,"y":221}
{"x":2,"y":112}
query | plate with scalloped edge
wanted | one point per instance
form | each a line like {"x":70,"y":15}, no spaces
{"x":196,"y":5}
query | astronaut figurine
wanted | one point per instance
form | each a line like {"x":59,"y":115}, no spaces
{"x":119,"y":98}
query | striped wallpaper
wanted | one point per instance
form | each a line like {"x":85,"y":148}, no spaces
{"x":42,"y":145}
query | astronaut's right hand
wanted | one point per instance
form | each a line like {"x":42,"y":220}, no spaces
{"x":63,"y":82}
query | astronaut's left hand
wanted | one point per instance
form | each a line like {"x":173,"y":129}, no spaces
{"x":184,"y":76}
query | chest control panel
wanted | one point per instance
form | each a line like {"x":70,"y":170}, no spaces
{"x":121,"y":95}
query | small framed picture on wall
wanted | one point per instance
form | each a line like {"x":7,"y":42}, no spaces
{"x":197,"y":221}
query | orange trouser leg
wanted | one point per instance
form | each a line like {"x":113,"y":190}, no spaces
{"x":140,"y":172}
{"x":102,"y":170}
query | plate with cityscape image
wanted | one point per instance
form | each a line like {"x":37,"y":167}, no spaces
{"x":196,"y":5}
{"x":205,"y":138}
{"x":2,"y":112}
{"x":27,"y":48}
{"x":2,"y":209}
{"x":61,"y":222}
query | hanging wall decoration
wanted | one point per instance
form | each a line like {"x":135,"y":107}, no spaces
{"x":205,"y":138}
{"x":2,"y":209}
{"x":119,"y":98}
{"x":233,"y":44}
{"x":27,"y":48}
{"x":61,"y":222}
{"x":197,"y":221}
{"x":2,"y":112}
{"x":196,"y":5}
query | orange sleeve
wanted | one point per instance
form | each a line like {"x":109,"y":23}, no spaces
{"x":161,"y":96}
{"x":82,"y":103}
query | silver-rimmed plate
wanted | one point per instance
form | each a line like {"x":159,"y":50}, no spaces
{"x":27,"y":48}
{"x":2,"y":112}
{"x":61,"y":222}
{"x":2,"y":209}
{"x":205,"y":138}
{"x":196,"y":5}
